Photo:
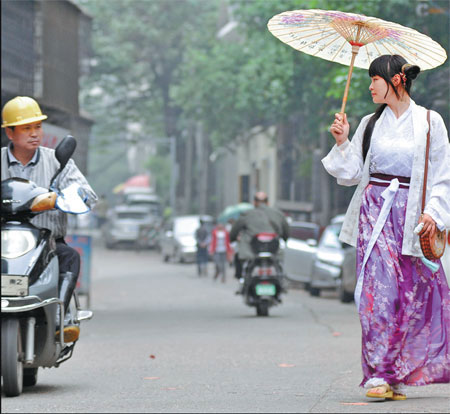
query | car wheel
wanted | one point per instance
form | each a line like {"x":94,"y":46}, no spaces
{"x":177,"y":256}
{"x":109,"y":245}
{"x":314,"y":291}
{"x":344,"y":296}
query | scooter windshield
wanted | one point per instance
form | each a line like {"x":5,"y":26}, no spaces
{"x":70,"y":201}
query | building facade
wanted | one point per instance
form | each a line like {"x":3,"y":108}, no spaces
{"x":45,"y":52}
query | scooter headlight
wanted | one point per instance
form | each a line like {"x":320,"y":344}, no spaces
{"x":16,"y":243}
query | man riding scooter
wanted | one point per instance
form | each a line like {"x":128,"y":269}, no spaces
{"x":25,"y":158}
{"x":260,"y":219}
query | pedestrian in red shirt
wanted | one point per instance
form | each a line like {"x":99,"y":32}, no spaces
{"x":221,"y":250}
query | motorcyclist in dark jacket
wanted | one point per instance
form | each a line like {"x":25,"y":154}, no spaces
{"x":261,"y":219}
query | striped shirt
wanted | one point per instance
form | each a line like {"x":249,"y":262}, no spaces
{"x":40,"y":169}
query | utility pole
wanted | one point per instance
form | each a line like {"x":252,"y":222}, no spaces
{"x":174,"y":174}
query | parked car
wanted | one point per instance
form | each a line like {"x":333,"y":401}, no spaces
{"x":177,"y":241}
{"x":151,"y":201}
{"x":334,"y":264}
{"x":123,"y":224}
{"x":299,"y":251}
{"x":328,"y":264}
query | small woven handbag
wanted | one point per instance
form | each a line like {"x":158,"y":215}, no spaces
{"x":433,"y":247}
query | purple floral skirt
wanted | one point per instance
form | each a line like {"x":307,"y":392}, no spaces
{"x":404,"y":309}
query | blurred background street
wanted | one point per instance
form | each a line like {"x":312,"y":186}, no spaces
{"x":164,"y":340}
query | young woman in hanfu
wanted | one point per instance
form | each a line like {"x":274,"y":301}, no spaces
{"x":403,"y":304}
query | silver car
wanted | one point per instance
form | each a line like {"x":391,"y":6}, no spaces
{"x":150,"y":201}
{"x":299,"y":251}
{"x":326,"y":265}
{"x":334,"y":264}
{"x":177,"y":241}
{"x":123,"y":224}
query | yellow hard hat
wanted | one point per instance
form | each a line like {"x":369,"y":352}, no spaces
{"x":20,"y":111}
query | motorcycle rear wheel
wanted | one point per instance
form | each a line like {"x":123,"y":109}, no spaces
{"x":262,"y":308}
{"x":12,"y":357}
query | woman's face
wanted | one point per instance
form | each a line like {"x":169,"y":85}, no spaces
{"x":379,"y":90}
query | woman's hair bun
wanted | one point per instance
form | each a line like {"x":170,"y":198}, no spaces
{"x":411,"y":71}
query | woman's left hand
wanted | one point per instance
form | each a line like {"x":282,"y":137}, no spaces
{"x":429,"y":226}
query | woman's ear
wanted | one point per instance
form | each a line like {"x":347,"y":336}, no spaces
{"x":396,"y":80}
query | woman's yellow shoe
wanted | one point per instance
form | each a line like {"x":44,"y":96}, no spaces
{"x":384,"y":391}
{"x":398,"y":397}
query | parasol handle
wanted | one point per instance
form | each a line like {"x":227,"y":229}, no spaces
{"x":355,"y":50}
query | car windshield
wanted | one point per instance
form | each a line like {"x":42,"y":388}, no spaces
{"x":131,"y":215}
{"x":330,"y":237}
{"x":304,"y":232}
{"x":186,"y":226}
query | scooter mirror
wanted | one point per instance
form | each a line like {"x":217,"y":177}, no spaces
{"x":65,"y":150}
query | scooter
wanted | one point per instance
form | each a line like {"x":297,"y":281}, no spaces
{"x":30,"y":277}
{"x":263,"y":275}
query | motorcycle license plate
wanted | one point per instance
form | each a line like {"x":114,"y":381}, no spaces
{"x":13,"y":285}
{"x":266,"y":289}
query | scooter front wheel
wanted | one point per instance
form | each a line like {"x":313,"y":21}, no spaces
{"x":12,"y":357}
{"x":30,"y":377}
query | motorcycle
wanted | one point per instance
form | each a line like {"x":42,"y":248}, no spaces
{"x":30,"y":277}
{"x":263,"y":280}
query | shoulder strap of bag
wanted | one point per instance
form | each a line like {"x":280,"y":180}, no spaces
{"x":425,"y":174}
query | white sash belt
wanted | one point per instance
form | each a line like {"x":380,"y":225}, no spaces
{"x":388,"y":196}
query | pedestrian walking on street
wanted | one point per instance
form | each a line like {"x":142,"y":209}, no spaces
{"x":220,"y":249}
{"x":203,"y":238}
{"x":404,"y":307}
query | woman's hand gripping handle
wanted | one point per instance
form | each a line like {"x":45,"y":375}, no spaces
{"x":340,"y":128}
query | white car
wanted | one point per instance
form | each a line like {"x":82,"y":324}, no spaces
{"x":299,"y":251}
{"x":177,"y":241}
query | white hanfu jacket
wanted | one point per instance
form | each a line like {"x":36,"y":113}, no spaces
{"x":346,"y":164}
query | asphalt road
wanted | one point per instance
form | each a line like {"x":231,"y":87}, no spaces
{"x":164,"y":340}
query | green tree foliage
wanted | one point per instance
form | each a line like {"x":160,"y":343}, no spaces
{"x":138,"y":48}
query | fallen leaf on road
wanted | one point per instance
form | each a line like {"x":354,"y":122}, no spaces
{"x":286,"y":365}
{"x":152,"y":357}
{"x":336,"y":334}
{"x":170,"y":388}
{"x":358,"y":403}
